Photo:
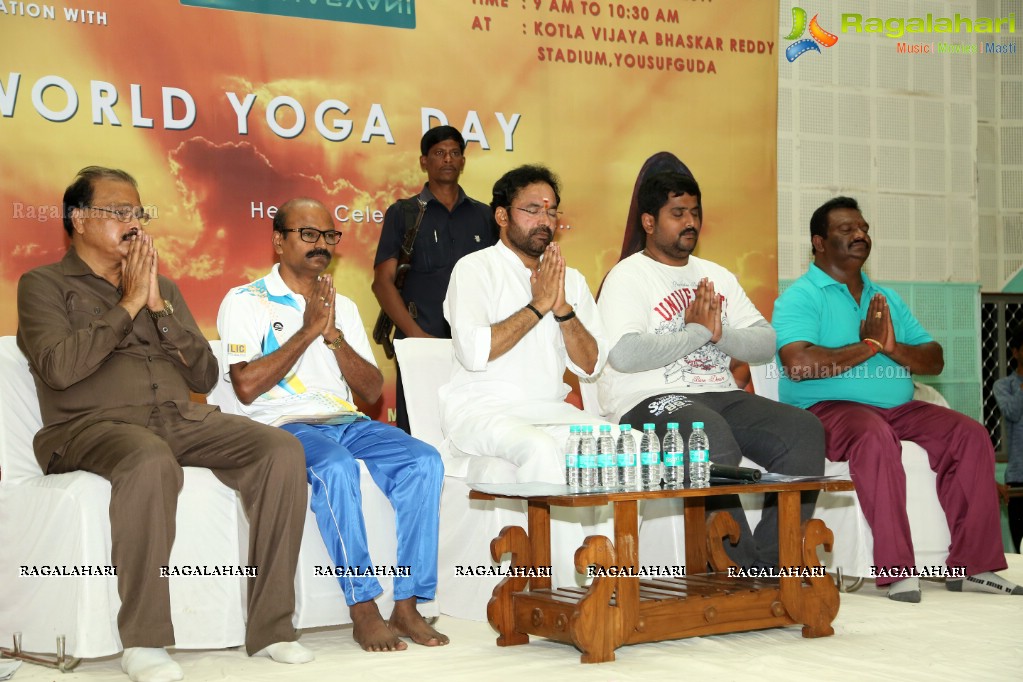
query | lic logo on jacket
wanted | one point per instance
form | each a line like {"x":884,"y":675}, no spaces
{"x":817,"y":35}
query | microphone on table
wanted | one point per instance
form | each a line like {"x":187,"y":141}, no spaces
{"x":735,"y":473}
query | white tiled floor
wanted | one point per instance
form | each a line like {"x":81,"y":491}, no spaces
{"x":947,"y":636}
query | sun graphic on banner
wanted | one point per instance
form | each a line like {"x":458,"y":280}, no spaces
{"x":817,"y":35}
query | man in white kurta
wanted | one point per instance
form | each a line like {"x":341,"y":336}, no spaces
{"x":519,"y":316}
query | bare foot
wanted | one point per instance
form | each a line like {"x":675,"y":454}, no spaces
{"x":406,"y":622}
{"x":371,"y":631}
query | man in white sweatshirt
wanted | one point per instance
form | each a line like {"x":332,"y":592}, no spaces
{"x":675,"y":322}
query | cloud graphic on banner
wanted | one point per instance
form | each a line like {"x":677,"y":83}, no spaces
{"x":233,"y":244}
{"x":818,"y":36}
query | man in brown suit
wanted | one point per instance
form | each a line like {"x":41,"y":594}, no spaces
{"x":114,"y":352}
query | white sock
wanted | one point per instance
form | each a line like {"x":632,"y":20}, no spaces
{"x":988,"y":582}
{"x":907,"y":590}
{"x":145,"y":664}
{"x":287,"y":652}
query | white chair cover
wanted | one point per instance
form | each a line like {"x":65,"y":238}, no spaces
{"x":62,"y":520}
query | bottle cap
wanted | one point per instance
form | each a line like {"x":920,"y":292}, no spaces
{"x":605,"y":428}
{"x":624,"y":427}
{"x":697,"y":425}
{"x":672,"y":425}
{"x":574,"y":429}
{"x":587,"y":429}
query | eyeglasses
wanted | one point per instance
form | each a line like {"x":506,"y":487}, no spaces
{"x":441,"y":153}
{"x":126,"y":215}
{"x":552,"y":213}
{"x":312,"y":235}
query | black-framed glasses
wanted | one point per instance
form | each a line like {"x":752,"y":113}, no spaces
{"x":535,"y":211}
{"x":126,"y":215}
{"x":312,"y":235}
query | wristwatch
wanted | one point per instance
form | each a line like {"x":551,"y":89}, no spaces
{"x":336,"y":343}
{"x":167,"y":311}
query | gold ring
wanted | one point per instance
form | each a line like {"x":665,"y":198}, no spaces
{"x":877,"y":316}
{"x":323,"y":298}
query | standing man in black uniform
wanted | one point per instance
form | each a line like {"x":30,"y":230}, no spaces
{"x":452,"y":225}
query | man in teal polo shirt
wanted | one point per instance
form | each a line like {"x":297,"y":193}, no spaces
{"x":849,"y":348}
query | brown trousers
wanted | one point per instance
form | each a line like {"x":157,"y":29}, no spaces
{"x":143,"y":464}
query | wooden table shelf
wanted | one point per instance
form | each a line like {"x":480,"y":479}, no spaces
{"x":614,"y":610}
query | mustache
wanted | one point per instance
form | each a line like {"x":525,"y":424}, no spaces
{"x":129,"y":234}
{"x":860,"y":241}
{"x":542,"y":230}
{"x":689,"y":231}
{"x":318,"y":252}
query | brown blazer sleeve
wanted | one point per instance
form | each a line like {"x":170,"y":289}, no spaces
{"x":181,"y":337}
{"x":61,"y":355}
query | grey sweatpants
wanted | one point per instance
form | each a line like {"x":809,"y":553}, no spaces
{"x":781,"y":438}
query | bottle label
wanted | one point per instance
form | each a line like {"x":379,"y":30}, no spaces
{"x":670,"y":459}
{"x":587,"y":461}
{"x":605,"y":460}
{"x":648,"y":458}
{"x":699,"y":456}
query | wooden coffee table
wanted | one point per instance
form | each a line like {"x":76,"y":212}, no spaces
{"x":615,"y":610}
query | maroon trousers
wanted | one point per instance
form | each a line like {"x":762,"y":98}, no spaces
{"x":960,"y":453}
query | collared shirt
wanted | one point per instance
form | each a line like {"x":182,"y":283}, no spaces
{"x":820,"y":310}
{"x":444,"y":237}
{"x":487,"y":287}
{"x":1009,"y":396}
{"x":91,"y":362}
{"x":258,"y":318}
{"x":641,"y":295}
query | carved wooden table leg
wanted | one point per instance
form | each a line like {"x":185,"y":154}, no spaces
{"x":626,"y":547}
{"x":820,"y":610}
{"x":596,"y":626}
{"x":500,"y":611}
{"x":720,"y":525}
{"x":696,"y":535}
{"x":539,"y":520}
{"x":816,"y":604}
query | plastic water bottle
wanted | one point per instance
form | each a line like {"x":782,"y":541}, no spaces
{"x":607,"y":462}
{"x":674,"y":454}
{"x":649,"y":457}
{"x":626,"y":449}
{"x":572,"y":457}
{"x":587,"y":459}
{"x":699,"y":457}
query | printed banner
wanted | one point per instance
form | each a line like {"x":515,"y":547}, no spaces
{"x":398,"y":13}
{"x":225,"y":110}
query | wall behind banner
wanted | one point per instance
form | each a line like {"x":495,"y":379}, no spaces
{"x":222,"y":115}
